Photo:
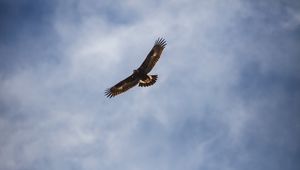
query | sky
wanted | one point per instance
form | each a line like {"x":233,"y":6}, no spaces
{"x":227,"y":95}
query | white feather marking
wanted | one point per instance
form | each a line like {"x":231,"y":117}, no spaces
{"x":141,"y":81}
{"x":148,"y":80}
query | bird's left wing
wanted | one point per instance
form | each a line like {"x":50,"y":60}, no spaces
{"x":122,"y":86}
{"x":153,"y":55}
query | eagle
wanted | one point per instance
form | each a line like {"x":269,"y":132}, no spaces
{"x":140,"y":76}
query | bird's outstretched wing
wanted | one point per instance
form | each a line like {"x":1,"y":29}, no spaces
{"x":153,"y":55}
{"x":122,"y":86}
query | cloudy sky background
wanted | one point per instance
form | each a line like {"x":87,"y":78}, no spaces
{"x":227,"y":95}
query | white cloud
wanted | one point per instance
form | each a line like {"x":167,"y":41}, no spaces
{"x":57,"y":117}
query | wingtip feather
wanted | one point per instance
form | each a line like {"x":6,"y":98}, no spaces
{"x":108,"y":93}
{"x":161,"y":42}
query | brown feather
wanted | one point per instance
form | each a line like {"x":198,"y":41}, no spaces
{"x":148,"y":82}
{"x":122,"y":86}
{"x":153,"y":55}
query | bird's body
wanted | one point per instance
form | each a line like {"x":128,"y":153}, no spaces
{"x":140,"y":76}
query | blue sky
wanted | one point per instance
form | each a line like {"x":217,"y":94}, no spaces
{"x":227,"y":96}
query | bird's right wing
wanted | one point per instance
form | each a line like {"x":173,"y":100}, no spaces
{"x":153,"y":55}
{"x":122,"y":86}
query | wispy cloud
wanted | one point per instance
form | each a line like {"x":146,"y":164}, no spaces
{"x":226,"y":97}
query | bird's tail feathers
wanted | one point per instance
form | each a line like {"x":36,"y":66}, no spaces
{"x":149,"y":81}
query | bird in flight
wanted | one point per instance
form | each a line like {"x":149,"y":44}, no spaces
{"x":140,"y":76}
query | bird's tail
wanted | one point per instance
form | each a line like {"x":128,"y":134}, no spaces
{"x":149,"y":81}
